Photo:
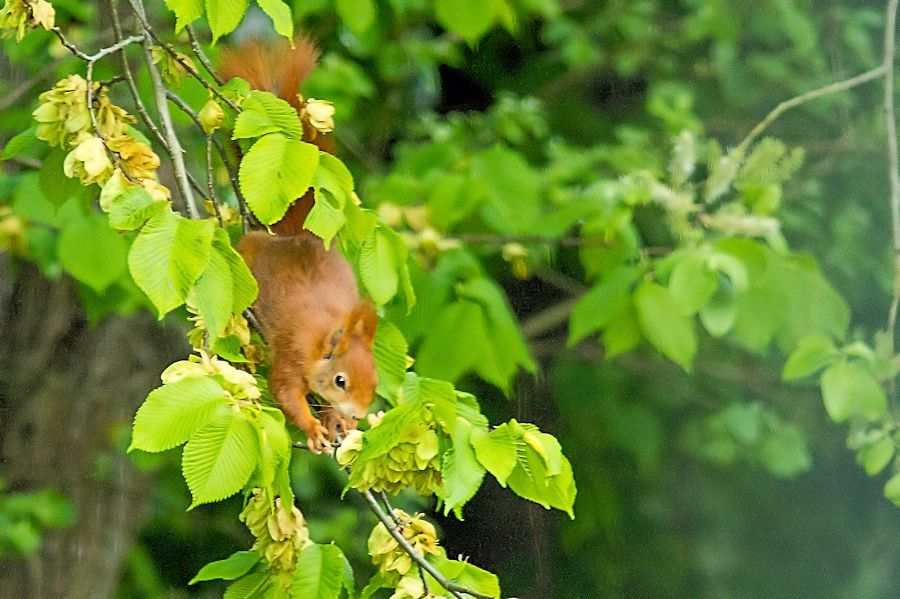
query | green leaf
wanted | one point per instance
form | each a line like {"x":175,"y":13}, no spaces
{"x":20,"y":143}
{"x":220,"y":457}
{"x":276,"y":171}
{"x":383,"y":267}
{"x":92,"y":252}
{"x":171,"y":413}
{"x":263,"y":112}
{"x":249,"y":586}
{"x":469,"y":18}
{"x":892,"y":489}
{"x":132,"y":208}
{"x":461,"y":472}
{"x":224,"y":15}
{"x":692,"y":282}
{"x":381,"y":439}
{"x":378,"y":265}
{"x":719,"y":313}
{"x":56,"y":186}
{"x":875,"y":456}
{"x":186,"y":11}
{"x":464,"y":574}
{"x":30,"y":203}
{"x":274,"y":446}
{"x":512,"y":185}
{"x":332,"y":174}
{"x":358,"y":15}
{"x":529,"y":479}
{"x":813,"y":353}
{"x":280,"y":13}
{"x":390,"y":350}
{"x":168,"y":256}
{"x":226,"y":287}
{"x":496,"y":451}
{"x":230,"y":568}
{"x":602,"y":303}
{"x":321,"y":572}
{"x":667,"y":330}
{"x":848,"y":389}
{"x":326,"y":217}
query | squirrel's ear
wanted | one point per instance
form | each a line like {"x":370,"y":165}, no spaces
{"x":363,"y":320}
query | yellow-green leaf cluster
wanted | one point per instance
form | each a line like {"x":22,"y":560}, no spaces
{"x":387,"y":553}
{"x":413,"y":460}
{"x":280,"y":531}
{"x":16,"y":15}
{"x":239,"y":383}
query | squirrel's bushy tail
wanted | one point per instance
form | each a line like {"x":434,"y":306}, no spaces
{"x":277,"y":68}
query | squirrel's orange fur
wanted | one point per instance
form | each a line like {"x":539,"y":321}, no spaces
{"x":319,"y":328}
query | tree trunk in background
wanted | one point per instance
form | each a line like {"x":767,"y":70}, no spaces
{"x":66,"y":392}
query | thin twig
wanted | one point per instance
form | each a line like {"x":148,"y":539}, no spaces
{"x":894,"y":165}
{"x":100,"y":53}
{"x":132,"y":86}
{"x":832,"y":88}
{"x":454,"y":589}
{"x":162,"y":108}
{"x":548,"y":319}
{"x":220,"y":150}
{"x":209,"y":180}
{"x":201,"y":56}
{"x":138,"y":7}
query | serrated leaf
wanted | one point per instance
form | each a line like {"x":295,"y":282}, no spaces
{"x":280,"y":13}
{"x":390,"y":350}
{"x":274,"y":446}
{"x":230,"y":568}
{"x":496,"y":451}
{"x":186,"y":11}
{"x":224,"y":15}
{"x":171,"y":413}
{"x":529,"y":479}
{"x":326,"y":217}
{"x":813,"y":353}
{"x":226,"y":287}
{"x":320,"y":573}
{"x":132,"y":208}
{"x":332,"y":174}
{"x":92,"y":252}
{"x":378,"y":265}
{"x":248,"y":586}
{"x":19,"y":144}
{"x":220,"y":457}
{"x":461,"y":472}
{"x":263,"y":112}
{"x":465,"y":575}
{"x":358,"y":15}
{"x":667,"y":330}
{"x":848,"y":389}
{"x":381,"y":439}
{"x":602,"y":303}
{"x":692,"y":283}
{"x":168,"y":256}
{"x":276,"y":171}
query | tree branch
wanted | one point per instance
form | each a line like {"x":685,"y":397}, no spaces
{"x":783,"y":107}
{"x":159,"y":93}
{"x":454,"y":589}
{"x":138,"y":7}
{"x":201,"y":56}
{"x":100,"y":53}
{"x":894,"y":170}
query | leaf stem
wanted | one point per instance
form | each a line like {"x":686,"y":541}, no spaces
{"x":893,"y":172}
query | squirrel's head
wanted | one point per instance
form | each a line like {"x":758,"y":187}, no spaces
{"x":345,"y":376}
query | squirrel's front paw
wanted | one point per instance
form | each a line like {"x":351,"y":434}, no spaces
{"x":336,"y":423}
{"x":317,"y":438}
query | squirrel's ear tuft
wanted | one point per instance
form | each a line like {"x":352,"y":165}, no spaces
{"x":363,"y":321}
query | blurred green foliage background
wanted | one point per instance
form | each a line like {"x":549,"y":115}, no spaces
{"x":726,"y":482}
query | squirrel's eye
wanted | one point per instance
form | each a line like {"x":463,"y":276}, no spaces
{"x":340,"y":381}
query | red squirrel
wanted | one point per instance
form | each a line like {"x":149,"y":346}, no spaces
{"x":319,"y":328}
